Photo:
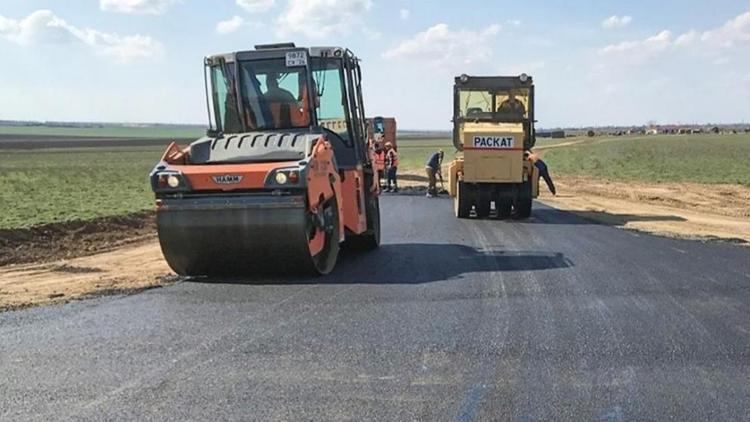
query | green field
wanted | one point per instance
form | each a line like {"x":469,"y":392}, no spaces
{"x":414,"y":153}
{"x":106,"y":132}
{"x":42,"y":186}
{"x":663,"y":158}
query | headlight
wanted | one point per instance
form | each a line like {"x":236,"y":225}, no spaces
{"x":464,"y":78}
{"x":524,"y":77}
{"x":281,"y":178}
{"x":288,"y":177}
{"x":173,"y":181}
{"x":169,"y":182}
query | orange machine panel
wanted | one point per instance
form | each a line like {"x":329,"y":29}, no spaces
{"x":353,"y":196}
{"x":323,"y":182}
{"x":246,"y":176}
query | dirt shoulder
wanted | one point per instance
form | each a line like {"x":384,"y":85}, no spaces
{"x":58,"y":262}
{"x":687,"y":210}
{"x":52,"y":242}
{"x":132,"y":267}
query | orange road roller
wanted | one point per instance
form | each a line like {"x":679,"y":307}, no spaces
{"x":283,"y":176}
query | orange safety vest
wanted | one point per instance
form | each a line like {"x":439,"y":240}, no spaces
{"x":392,"y":158}
{"x":380,"y":160}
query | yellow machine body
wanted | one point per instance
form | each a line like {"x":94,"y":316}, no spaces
{"x":493,"y":130}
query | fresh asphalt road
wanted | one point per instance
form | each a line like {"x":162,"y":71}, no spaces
{"x":551,"y":319}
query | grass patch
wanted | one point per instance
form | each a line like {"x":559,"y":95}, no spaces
{"x":682,"y":158}
{"x":106,"y":132}
{"x":414,"y":153}
{"x":45,"y":186}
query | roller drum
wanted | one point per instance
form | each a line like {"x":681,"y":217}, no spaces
{"x":235,"y":235}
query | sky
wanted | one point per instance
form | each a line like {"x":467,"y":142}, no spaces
{"x":595,"y":62}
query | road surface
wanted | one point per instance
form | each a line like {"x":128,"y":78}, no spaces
{"x":551,"y":319}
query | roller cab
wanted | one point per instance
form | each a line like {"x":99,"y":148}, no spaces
{"x":493,"y":128}
{"x":282,"y":177}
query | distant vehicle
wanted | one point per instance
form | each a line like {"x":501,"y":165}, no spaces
{"x":382,"y":129}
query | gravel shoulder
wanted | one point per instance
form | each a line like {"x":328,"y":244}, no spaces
{"x":686,"y":210}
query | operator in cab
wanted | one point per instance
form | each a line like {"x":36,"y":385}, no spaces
{"x":512,"y":105}
{"x":275,"y":93}
{"x":281,"y":102}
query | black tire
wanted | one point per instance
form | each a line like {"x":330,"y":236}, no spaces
{"x":461,"y":203}
{"x":483,"y":201}
{"x":325,"y":261}
{"x":523,"y":209}
{"x":504,"y":208}
{"x":370,"y":239}
{"x":522,"y":206}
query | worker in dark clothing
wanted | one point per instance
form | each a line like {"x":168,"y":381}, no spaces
{"x":543,"y":170}
{"x":433,"y":171}
{"x":391,"y":165}
{"x":275,"y":93}
{"x":512,"y":106}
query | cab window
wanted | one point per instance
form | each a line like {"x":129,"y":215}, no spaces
{"x":475,"y":104}
{"x":330,"y":108}
{"x":512,"y":104}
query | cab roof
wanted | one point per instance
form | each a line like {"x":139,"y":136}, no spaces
{"x":493,"y":82}
{"x":279,"y":50}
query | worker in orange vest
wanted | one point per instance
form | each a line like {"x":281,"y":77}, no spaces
{"x":391,"y":163}
{"x":379,"y":158}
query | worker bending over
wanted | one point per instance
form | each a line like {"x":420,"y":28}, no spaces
{"x":433,"y":171}
{"x":391,"y":165}
{"x":543,"y":170}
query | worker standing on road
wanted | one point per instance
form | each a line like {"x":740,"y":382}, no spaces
{"x":433,"y":170}
{"x":391,"y":163}
{"x":543,"y":170}
{"x":377,"y":157}
{"x":380,"y":162}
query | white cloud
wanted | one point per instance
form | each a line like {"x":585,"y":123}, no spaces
{"x":44,"y":27}
{"x":735,"y":31}
{"x":514,"y":23}
{"x":656,"y":43}
{"x":732,"y":33}
{"x":256,"y":6}
{"x":321,"y":18}
{"x":440,"y":44}
{"x":230,"y":25}
{"x":687,"y":38}
{"x":404,"y":13}
{"x":139,"y":7}
{"x":615,"y":21}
